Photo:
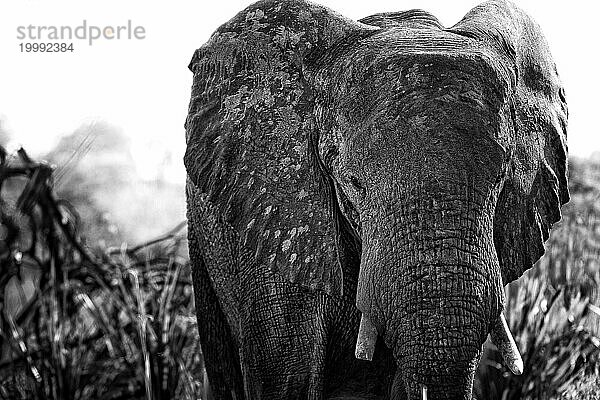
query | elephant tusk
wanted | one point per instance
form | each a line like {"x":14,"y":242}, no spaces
{"x":503,"y":339}
{"x":423,"y":392}
{"x":367,"y":337}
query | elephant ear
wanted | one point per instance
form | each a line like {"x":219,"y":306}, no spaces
{"x":535,"y":185}
{"x":250,"y":130}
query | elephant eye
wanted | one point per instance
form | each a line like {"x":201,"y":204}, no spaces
{"x":357,"y":185}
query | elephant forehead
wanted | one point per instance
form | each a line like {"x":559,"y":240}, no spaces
{"x":416,"y":64}
{"x":421,"y":89}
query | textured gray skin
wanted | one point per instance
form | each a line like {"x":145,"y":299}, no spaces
{"x":389,"y":165}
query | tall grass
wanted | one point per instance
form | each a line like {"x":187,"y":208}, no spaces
{"x":111,"y":324}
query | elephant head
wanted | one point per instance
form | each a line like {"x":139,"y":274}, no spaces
{"x":438,"y":154}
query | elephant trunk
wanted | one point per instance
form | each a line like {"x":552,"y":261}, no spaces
{"x":434,"y":297}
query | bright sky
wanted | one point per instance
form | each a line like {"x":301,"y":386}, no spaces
{"x":143,"y":86}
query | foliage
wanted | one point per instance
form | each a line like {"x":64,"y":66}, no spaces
{"x":114,"y":325}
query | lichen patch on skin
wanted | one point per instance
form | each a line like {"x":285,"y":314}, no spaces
{"x":287,"y":37}
{"x":255,"y":17}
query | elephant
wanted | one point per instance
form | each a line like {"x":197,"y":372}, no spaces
{"x":360,"y":192}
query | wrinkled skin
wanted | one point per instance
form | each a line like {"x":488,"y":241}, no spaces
{"x":388,"y":167}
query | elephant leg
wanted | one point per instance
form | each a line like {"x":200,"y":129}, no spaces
{"x":291,"y":341}
{"x":218,"y":348}
{"x":261,"y":331}
{"x":265,"y":337}
{"x":283,"y":337}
